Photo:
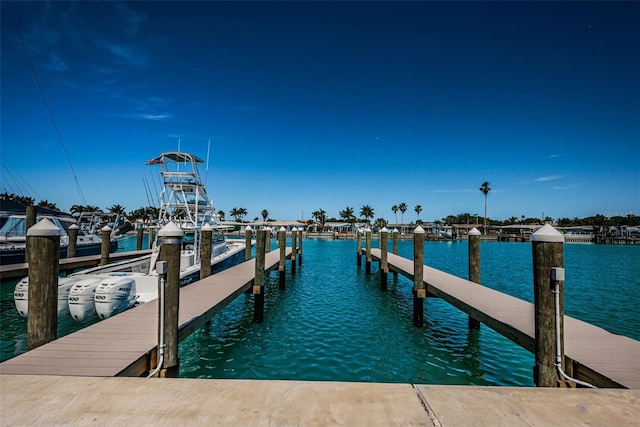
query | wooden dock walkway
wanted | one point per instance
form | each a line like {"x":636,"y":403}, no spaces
{"x":593,"y":354}
{"x":14,"y":271}
{"x":125,"y":345}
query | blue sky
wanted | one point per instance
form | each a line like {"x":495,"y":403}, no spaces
{"x":327,"y":105}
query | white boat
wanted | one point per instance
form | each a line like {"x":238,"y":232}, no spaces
{"x":13,"y":236}
{"x":108,"y":290}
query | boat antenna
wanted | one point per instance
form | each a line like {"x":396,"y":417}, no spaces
{"x":46,"y":102}
{"x":146,"y":190}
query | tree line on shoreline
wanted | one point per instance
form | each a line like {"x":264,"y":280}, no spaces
{"x":366,"y":215}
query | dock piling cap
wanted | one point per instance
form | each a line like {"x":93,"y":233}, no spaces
{"x":282,"y":229}
{"x":418,"y":230}
{"x":474,"y":232}
{"x":44,"y":228}
{"x":547,"y":233}
{"x":106,"y":228}
{"x":384,"y":230}
{"x":170,"y":230}
{"x":207,"y":227}
{"x":247,"y":228}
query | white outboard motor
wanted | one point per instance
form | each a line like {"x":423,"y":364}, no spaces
{"x":81,"y":301}
{"x":21,"y":295}
{"x":114,"y":295}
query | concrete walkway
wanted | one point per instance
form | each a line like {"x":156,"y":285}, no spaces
{"x":29,"y":400}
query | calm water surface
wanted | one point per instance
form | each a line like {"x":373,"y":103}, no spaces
{"x":332,"y":322}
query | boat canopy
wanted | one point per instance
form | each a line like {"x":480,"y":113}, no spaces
{"x":175,"y":156}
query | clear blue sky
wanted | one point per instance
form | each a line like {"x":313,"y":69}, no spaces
{"x":326,"y":105}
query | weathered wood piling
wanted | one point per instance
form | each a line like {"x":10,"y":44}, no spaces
{"x":247,"y":242}
{"x":547,"y":246}
{"x":170,"y":237}
{"x":367,"y":264}
{"x":31,"y":221}
{"x":419,"y":290}
{"x":394,"y":248}
{"x":474,"y":267}
{"x":206,"y":236}
{"x":105,"y":234}
{"x":73,"y":241}
{"x":139,"y":236}
{"x":258,"y":282}
{"x":44,"y":256}
{"x":384,"y":265}
{"x":300,"y":245}
{"x":282,"y":245}
{"x":294,"y":240}
{"x":358,"y":247}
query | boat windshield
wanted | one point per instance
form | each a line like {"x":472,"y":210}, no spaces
{"x":15,"y":226}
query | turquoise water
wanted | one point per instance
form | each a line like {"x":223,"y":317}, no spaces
{"x":332,"y":322}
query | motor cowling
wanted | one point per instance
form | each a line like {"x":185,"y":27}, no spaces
{"x":114,"y":295}
{"x":81,"y":299}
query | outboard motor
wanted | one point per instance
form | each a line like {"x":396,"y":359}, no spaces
{"x":21,"y":295}
{"x":81,"y":299}
{"x":114,"y":295}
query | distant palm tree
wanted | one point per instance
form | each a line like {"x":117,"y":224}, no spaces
{"x":394,"y":209}
{"x":484,"y":188}
{"x":347,"y":214}
{"x":380,"y":223}
{"x":320,"y":216}
{"x":418,"y":209}
{"x":265,"y":215}
{"x":241,"y":213}
{"x":221,"y":215}
{"x":117,"y":209}
{"x":403,"y":208}
{"x":367,"y":212}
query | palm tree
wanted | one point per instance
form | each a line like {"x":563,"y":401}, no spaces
{"x":265,"y":215}
{"x":394,"y":209}
{"x":320,"y":216}
{"x":418,"y":209}
{"x":484,"y":188}
{"x":234,"y":213}
{"x":221,"y":215}
{"x":347,"y":214}
{"x":403,"y":208}
{"x":241,"y":213}
{"x":367,"y":212}
{"x":117,"y":209}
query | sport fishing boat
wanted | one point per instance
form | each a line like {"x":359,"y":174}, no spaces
{"x":107,"y":290}
{"x":13,"y":235}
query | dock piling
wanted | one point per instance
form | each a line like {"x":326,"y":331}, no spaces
{"x":282,"y":245}
{"x":247,"y":242}
{"x":359,"y":247}
{"x":258,"y":282}
{"x":139,"y":235}
{"x":73,"y":241}
{"x":294,"y":239}
{"x":170,"y":237}
{"x":474,"y":267}
{"x":367,"y":265}
{"x":384,"y":265}
{"x":104,"y":247}
{"x":205,"y":251}
{"x":419,"y":291}
{"x":547,"y":246}
{"x":300,"y":245}
{"x":394,"y":248}
{"x":31,"y":221}
{"x":152,"y":235}
{"x":44,"y":257}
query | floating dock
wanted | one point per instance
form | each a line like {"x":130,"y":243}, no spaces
{"x":595,"y":355}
